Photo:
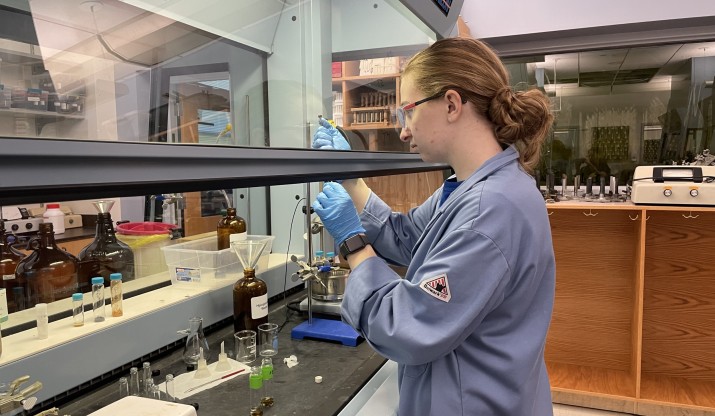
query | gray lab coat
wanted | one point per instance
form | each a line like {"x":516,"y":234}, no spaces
{"x":470,"y":343}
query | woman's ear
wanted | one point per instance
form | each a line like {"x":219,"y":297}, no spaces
{"x":455,"y":104}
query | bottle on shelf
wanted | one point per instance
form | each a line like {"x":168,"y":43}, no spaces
{"x":9,"y":259}
{"x":48,"y":273}
{"x":250,"y":294}
{"x":54,"y":215}
{"x":230,"y":228}
{"x":105,"y":254}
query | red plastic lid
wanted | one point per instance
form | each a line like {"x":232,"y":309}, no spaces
{"x":145,"y":228}
{"x":50,"y":206}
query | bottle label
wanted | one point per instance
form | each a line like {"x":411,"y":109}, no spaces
{"x":237,"y":237}
{"x":259,"y":307}
{"x":8,"y":277}
{"x":3,"y":305}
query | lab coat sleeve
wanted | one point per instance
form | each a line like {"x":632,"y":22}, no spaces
{"x":404,"y":322}
{"x":394,"y":234}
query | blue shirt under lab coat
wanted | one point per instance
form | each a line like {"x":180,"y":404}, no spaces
{"x":468,"y":322}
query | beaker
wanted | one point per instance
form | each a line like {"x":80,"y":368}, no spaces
{"x":195,"y":340}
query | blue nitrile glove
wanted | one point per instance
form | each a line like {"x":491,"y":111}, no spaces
{"x":337,"y":211}
{"x":328,"y":137}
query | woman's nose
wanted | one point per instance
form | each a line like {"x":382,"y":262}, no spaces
{"x":405,"y":134}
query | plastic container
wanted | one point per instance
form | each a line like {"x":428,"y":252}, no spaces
{"x":146,"y":240}
{"x":55,"y":216}
{"x":200,"y":263}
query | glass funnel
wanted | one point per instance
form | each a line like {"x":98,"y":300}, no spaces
{"x":249,"y":251}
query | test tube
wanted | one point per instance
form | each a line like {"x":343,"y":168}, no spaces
{"x":134,"y":381}
{"x":255,"y":385}
{"x":98,"y":298}
{"x":146,"y":378}
{"x":169,"y":386}
{"x":77,"y":309}
{"x":123,"y":387}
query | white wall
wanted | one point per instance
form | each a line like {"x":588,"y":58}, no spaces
{"x":515,"y":17}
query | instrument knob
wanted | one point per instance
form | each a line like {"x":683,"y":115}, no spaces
{"x":28,"y":226}
{"x":15,"y":227}
{"x":693,"y":193}
{"x":667,"y":192}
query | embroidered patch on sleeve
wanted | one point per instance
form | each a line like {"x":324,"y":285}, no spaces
{"x":437,"y":287}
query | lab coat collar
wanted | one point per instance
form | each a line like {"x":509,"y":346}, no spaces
{"x":495,"y":163}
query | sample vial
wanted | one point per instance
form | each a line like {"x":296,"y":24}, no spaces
{"x":169,"y":386}
{"x":146,"y":378}
{"x":123,"y":387}
{"x":115,"y":292}
{"x":98,"y":298}
{"x":329,"y":258}
{"x":134,"y":381}
{"x":255,"y":383}
{"x":319,"y":258}
{"x":267,"y":375}
{"x":77,"y":309}
{"x":42,"y":321}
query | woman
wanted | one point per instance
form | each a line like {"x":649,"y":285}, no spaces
{"x":467,"y":324}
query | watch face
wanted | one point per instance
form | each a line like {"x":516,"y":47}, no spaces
{"x":353,"y":244}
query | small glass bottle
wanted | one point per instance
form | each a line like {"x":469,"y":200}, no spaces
{"x":330,"y":259}
{"x":115,"y":291}
{"x":318,"y":259}
{"x":230,"y":228}
{"x":169,"y":386}
{"x":123,"y":387}
{"x":267,"y":374}
{"x":146,"y":378}
{"x":98,"y":298}
{"x":255,"y":383}
{"x":134,"y":381}
{"x":77,"y":309}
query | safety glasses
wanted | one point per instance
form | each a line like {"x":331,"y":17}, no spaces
{"x":405,"y":112}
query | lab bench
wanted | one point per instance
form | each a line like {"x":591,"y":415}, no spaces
{"x":344,"y":371}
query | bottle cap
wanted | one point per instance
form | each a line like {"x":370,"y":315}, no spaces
{"x":53,"y":206}
{"x":77,"y":296}
{"x":319,"y":252}
{"x":97,"y":280}
{"x":115,"y":276}
{"x":330,"y":254}
{"x":41,"y":309}
{"x":318,"y":379}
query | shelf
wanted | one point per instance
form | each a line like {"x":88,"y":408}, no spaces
{"x":591,"y":379}
{"x":372,"y":126}
{"x":679,"y":391}
{"x":39,"y":113}
{"x":366,"y":78}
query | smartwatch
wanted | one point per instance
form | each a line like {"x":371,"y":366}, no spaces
{"x":353,"y":244}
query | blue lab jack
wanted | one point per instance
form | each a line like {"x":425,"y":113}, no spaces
{"x":467,"y":324}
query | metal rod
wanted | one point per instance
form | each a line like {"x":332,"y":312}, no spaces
{"x":310,"y":251}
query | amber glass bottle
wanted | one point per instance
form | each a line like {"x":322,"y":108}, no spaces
{"x":250,"y":302}
{"x":49,"y":273}
{"x":105,"y":255}
{"x":9,"y":258}
{"x":230,"y":228}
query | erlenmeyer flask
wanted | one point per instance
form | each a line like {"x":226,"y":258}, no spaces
{"x":195,"y":340}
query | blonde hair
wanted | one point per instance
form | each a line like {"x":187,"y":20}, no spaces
{"x":474,"y":70}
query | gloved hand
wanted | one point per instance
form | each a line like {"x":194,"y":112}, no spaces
{"x":328,"y":137}
{"x":337,"y":211}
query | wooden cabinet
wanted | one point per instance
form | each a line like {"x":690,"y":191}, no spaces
{"x":366,"y":94}
{"x":633,"y":328}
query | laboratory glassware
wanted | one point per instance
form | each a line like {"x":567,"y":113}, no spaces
{"x":255,"y":384}
{"x":123,"y":387}
{"x":134,"y":381}
{"x":49,"y":273}
{"x":9,"y":259}
{"x":105,"y":254}
{"x":115,"y":293}
{"x":98,"y":299}
{"x":169,"y":387}
{"x":250,"y":294}
{"x":195,"y":341}
{"x":77,"y":309}
{"x":245,"y":346}
{"x":267,"y":376}
{"x":230,"y":228}
{"x":267,"y":339}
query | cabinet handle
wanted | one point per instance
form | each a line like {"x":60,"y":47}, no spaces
{"x":690,"y":215}
{"x":549,"y":213}
{"x":633,"y":219}
{"x":590,"y":214}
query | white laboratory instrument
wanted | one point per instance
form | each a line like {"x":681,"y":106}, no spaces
{"x":674,"y":185}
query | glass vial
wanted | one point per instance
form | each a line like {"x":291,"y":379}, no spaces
{"x":146,"y":378}
{"x":230,"y":228}
{"x":98,"y":298}
{"x":77,"y":309}
{"x":134,"y":381}
{"x":169,"y":386}
{"x":267,"y":375}
{"x":115,"y":291}
{"x":123,"y":387}
{"x":255,"y":383}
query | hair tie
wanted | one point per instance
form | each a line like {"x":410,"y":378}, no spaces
{"x":503,"y":90}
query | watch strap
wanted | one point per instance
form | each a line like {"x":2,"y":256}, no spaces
{"x":353,"y":244}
